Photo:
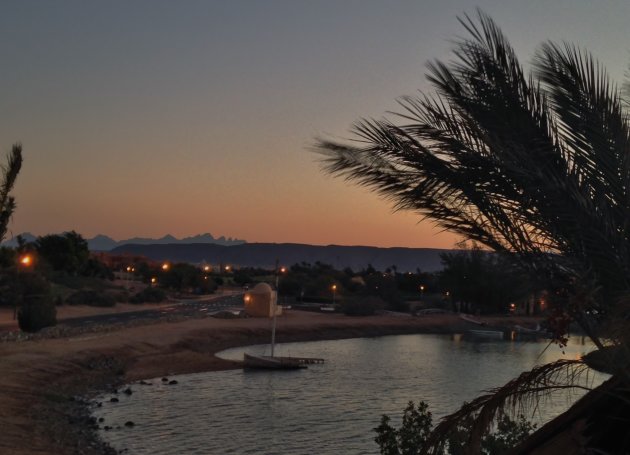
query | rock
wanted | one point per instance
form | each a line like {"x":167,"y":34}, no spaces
{"x":107,"y":428}
{"x":164,"y":379}
{"x":129,"y":424}
{"x":101,"y":420}
{"x":128,"y":391}
{"x":173,"y":382}
{"x":145,"y":383}
{"x":114,"y":400}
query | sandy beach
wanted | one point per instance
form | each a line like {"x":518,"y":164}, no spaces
{"x":41,"y":381}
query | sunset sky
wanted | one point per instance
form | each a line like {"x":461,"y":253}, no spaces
{"x":142,"y":118}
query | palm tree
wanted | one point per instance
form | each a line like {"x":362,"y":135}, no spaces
{"x":10,"y":172}
{"x":535,"y":165}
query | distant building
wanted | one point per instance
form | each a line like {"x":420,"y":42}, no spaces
{"x":261,"y":301}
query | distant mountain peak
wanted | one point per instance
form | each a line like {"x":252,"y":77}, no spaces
{"x":101,"y":242}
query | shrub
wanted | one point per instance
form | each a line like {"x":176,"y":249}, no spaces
{"x":417,"y":426}
{"x":36,"y":315}
{"x":149,"y":295}
{"x":37,"y":309}
{"x":92,"y":298}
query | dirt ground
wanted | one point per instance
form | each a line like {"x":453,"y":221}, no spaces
{"x":38,"y":377}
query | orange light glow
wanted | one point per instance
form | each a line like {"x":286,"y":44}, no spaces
{"x":153,"y":280}
{"x":206,"y":268}
{"x":26,"y":260}
{"x":283,"y":269}
{"x":165,"y":266}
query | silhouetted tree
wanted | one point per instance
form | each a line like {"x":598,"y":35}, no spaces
{"x":66,"y":252}
{"x":479,"y":280}
{"x":10,"y":172}
{"x":535,"y":165}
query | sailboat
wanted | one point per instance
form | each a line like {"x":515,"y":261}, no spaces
{"x":272,"y":362}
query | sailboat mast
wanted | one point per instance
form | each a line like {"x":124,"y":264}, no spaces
{"x":275,"y":311}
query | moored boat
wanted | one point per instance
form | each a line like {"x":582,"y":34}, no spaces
{"x":267,"y":362}
{"x":485,"y":334}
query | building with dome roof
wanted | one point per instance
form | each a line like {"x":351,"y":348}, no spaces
{"x":261,"y":301}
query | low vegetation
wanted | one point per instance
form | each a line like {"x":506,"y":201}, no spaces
{"x":37,"y":308}
{"x":417,"y":426}
{"x":91,"y":298}
{"x":149,"y":295}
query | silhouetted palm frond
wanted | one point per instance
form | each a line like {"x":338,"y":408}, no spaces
{"x":519,"y":396}
{"x":10,"y":172}
{"x":536,"y":165}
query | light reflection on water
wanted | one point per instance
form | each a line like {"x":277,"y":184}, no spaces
{"x":326,"y":409}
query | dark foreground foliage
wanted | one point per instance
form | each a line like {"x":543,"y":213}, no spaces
{"x":417,"y":425}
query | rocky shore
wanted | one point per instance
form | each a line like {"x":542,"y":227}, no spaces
{"x":47,"y":385}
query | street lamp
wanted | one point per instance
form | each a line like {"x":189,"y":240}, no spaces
{"x":23,"y":261}
{"x":280,"y":270}
{"x":26,"y":260}
{"x":165,"y":266}
{"x":334,"y":291}
{"x":421,"y":291}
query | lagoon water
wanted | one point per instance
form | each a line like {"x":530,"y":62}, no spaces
{"x":326,"y":409}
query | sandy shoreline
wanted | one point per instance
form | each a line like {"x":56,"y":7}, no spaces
{"x":41,"y":380}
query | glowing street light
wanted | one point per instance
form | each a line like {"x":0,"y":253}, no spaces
{"x":153,"y":280}
{"x":165,"y":266}
{"x":334,"y":291}
{"x":227,"y":268}
{"x":26,"y":260}
{"x":206,"y":268}
{"x":421,"y":291}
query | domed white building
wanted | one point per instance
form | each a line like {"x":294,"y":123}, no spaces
{"x":261,"y":301}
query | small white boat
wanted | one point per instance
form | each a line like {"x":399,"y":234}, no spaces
{"x":485,"y":334}
{"x":266,"y":362}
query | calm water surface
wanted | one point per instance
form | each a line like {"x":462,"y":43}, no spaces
{"x":326,"y":409}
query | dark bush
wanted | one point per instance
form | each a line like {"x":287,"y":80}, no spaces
{"x":92,"y":298}
{"x":37,"y":308}
{"x":149,"y":295}
{"x":37,"y":314}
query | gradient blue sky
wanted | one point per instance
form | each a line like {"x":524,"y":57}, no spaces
{"x":154,"y":117}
